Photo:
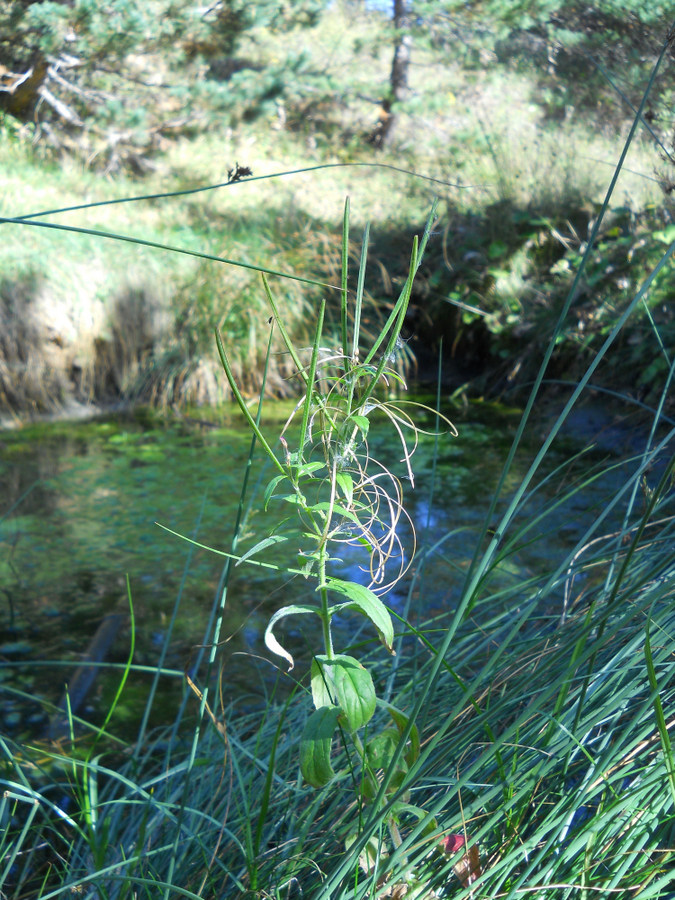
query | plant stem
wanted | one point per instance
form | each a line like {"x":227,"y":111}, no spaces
{"x":367,"y":771}
{"x":325,"y":617}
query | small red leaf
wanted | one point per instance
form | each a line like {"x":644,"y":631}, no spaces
{"x":453,"y":842}
{"x":468,"y":868}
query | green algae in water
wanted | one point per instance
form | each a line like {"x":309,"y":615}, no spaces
{"x":79,"y":503}
{"x":79,"y":507}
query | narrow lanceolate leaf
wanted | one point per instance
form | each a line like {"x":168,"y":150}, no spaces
{"x":308,"y":468}
{"x":272,"y":643}
{"x":358,"y":304}
{"x":271,"y":488}
{"x":344,"y":682}
{"x":284,"y":333}
{"x":344,"y":281}
{"x":369,"y":604}
{"x":311,"y":375}
{"x":242,"y":403}
{"x":336,"y":509}
{"x":372,"y":856}
{"x":315,"y":746}
{"x":346,"y":484}
{"x":262,"y":545}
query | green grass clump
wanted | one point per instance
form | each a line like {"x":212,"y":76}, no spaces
{"x":542,"y":708}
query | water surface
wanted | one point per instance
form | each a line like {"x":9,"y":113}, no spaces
{"x":79,"y":503}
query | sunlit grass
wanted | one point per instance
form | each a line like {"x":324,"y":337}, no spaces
{"x":481,"y":131}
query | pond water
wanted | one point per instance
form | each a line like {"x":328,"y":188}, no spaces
{"x":79,"y":503}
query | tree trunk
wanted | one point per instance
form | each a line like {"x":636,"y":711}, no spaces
{"x":398,"y":79}
{"x":19,"y":92}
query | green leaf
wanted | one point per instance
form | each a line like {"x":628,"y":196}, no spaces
{"x":262,"y":545}
{"x":295,"y":500}
{"x":315,"y":746}
{"x":344,"y":682}
{"x":381,"y":747}
{"x":309,"y":468}
{"x":418,"y":812}
{"x":361,"y":422}
{"x":272,"y":643}
{"x":253,"y":425}
{"x":344,"y":281}
{"x":380,"y":751}
{"x":307,"y":563}
{"x":284,"y":332}
{"x":664,"y":735}
{"x":401,"y":720}
{"x":311,"y":374}
{"x":346,"y":484}
{"x":368,"y":788}
{"x":270,"y":489}
{"x":336,"y":509}
{"x":369,"y":604}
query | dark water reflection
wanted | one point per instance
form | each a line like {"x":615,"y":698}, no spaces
{"x":78,"y":507}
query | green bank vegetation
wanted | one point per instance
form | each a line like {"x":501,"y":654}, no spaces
{"x":516,"y":744}
{"x":519,"y":151}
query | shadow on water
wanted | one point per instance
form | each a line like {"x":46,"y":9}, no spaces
{"x":78,"y":512}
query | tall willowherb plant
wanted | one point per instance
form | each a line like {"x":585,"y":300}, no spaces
{"x":332,"y":490}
